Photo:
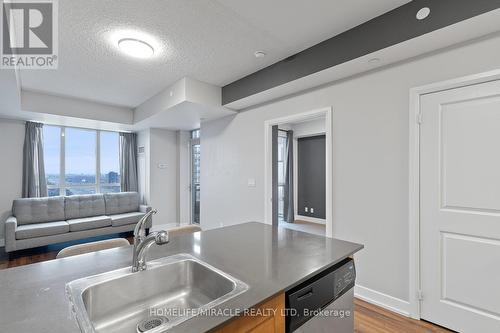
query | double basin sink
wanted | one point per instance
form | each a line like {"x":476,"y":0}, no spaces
{"x":171,"y":291}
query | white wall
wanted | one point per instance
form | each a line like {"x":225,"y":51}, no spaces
{"x":370,"y":146}
{"x":158,"y":173}
{"x":184,"y":176}
{"x":143,"y":165}
{"x":163,"y":186}
{"x":11,"y":147}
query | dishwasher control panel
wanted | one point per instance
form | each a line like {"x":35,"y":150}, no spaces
{"x":344,"y":278}
{"x":318,"y":292}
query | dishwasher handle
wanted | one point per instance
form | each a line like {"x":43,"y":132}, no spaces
{"x":308,"y":293}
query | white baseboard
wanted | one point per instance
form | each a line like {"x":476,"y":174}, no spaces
{"x":2,"y":242}
{"x":310,"y":219}
{"x":385,"y":301}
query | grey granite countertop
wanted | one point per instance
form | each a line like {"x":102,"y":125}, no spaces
{"x":270,"y":260}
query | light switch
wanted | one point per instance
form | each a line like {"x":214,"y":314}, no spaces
{"x":251,"y":182}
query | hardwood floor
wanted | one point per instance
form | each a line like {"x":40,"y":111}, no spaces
{"x":45,"y":253}
{"x":368,"y":318}
{"x":312,"y":228}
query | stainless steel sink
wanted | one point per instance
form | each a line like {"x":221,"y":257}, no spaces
{"x":170,"y":291}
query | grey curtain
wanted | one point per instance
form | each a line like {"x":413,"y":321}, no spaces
{"x":288,"y":207}
{"x":128,"y":162}
{"x":34,"y":182}
{"x":274,"y":162}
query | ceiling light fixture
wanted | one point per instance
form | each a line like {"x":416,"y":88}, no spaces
{"x":136,"y":48}
{"x":423,"y":13}
{"x":260,"y":54}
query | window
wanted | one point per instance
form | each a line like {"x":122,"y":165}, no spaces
{"x":81,"y":161}
{"x":282,"y":151}
{"x":110,"y":162}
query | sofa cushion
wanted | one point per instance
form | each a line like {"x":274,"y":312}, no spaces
{"x":79,"y":206}
{"x":126,"y":218}
{"x":41,"y":229}
{"x":86,"y":223}
{"x":38,"y":210}
{"x":124,"y":202}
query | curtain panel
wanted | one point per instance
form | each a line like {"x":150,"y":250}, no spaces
{"x":128,"y":162}
{"x":34,"y":181}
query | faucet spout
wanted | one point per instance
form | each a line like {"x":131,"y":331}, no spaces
{"x":139,"y":230}
{"x":140,"y":234}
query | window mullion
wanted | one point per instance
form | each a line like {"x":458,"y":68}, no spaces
{"x":62,"y":165}
{"x":98,"y":162}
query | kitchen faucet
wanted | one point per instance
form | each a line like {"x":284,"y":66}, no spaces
{"x":143,"y":243}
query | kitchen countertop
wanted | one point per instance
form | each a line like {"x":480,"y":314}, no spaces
{"x":270,"y":260}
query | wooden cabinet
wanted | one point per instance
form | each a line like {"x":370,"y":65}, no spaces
{"x":268,"y":318}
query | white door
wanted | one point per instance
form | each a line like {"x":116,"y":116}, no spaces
{"x":460,"y":208}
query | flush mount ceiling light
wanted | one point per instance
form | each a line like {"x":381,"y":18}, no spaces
{"x":423,"y":13}
{"x":136,"y":48}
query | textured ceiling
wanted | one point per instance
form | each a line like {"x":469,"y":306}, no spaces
{"x":209,"y":40}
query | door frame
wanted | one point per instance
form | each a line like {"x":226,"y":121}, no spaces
{"x":327,"y":113}
{"x":414,"y":175}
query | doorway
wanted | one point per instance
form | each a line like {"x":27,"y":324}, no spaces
{"x":454,"y":204}
{"x":282,"y":172}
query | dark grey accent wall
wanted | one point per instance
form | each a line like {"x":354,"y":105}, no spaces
{"x":381,"y":32}
{"x":311,"y":182}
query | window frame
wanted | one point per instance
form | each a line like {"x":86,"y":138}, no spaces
{"x":62,"y":186}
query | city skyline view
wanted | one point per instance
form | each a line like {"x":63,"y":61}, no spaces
{"x":80,"y":151}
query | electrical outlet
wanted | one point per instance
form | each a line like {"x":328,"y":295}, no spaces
{"x":312,"y":210}
{"x":306,"y":209}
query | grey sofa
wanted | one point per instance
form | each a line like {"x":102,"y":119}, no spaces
{"x":43,"y":221}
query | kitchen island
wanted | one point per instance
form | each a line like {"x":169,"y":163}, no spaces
{"x":269,"y":260}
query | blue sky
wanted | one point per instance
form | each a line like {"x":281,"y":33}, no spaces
{"x":80,"y":151}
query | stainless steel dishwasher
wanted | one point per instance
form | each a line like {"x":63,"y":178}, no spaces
{"x":324,"y":303}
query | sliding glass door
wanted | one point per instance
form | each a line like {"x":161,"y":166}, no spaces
{"x":195,"y":176}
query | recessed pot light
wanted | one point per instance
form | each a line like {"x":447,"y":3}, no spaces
{"x":423,"y":13}
{"x":260,"y":54}
{"x":136,"y":48}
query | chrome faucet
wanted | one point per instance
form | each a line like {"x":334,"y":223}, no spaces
{"x":140,"y":238}
{"x":140,"y":232}
{"x":140,"y":251}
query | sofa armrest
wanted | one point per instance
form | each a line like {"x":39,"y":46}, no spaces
{"x":144,"y":208}
{"x":147,"y":209}
{"x":10,"y":234}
